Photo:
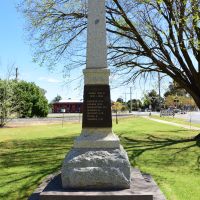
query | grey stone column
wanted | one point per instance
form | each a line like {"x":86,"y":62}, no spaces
{"x":96,"y":35}
{"x":97,"y":159}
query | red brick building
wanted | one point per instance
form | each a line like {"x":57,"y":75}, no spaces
{"x":69,"y":105}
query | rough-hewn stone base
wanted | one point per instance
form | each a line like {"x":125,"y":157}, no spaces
{"x":96,"y":169}
{"x":142,"y":187}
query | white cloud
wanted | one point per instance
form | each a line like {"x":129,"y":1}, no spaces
{"x":50,"y":80}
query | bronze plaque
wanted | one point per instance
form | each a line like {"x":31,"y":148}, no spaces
{"x":97,"y":106}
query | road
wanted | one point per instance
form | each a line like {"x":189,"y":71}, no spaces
{"x":76,"y":117}
{"x":54,"y":119}
{"x":194,"y":117}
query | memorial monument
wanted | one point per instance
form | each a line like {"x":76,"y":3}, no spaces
{"x":97,"y":160}
{"x":97,"y":167}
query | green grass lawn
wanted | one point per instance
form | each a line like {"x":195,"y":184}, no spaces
{"x":28,"y":154}
{"x":175,"y":120}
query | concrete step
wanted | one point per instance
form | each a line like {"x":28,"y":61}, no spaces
{"x":145,"y":183}
{"x":143,"y":187}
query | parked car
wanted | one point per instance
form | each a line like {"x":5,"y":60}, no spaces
{"x":177,"y":110}
{"x":183,"y":112}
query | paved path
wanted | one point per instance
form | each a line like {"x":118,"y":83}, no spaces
{"x":173,"y":124}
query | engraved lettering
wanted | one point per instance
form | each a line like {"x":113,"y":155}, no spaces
{"x":97,"y":106}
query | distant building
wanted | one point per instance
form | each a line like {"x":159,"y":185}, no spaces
{"x":69,"y":106}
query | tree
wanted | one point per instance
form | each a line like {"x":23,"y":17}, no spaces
{"x":22,"y":98}
{"x":56,"y":99}
{"x":6,"y":101}
{"x":120,"y":100}
{"x":145,"y":36}
{"x":174,"y":89}
{"x":117,"y":106}
{"x":158,"y":35}
{"x":180,"y":102}
{"x":152,"y":99}
{"x":177,"y":97}
{"x":136,"y":104}
{"x":30,"y":100}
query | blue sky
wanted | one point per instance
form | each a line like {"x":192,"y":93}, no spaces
{"x":14,"y":49}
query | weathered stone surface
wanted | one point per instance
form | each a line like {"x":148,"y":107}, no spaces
{"x":97,"y":138}
{"x":96,"y":76}
{"x":96,"y":169}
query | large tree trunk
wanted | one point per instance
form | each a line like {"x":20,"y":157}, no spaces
{"x":193,"y":89}
{"x":195,"y":93}
{"x":196,"y":98}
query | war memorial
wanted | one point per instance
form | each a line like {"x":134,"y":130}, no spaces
{"x":97,"y":167}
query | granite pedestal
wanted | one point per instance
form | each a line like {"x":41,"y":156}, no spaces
{"x":96,"y":169}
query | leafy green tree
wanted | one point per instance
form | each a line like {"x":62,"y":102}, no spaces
{"x":144,"y":36}
{"x":136,"y":104}
{"x":57,"y":99}
{"x":22,"y":98}
{"x":120,"y":100}
{"x":151,"y":99}
{"x":30,"y":100}
{"x":7,"y":106}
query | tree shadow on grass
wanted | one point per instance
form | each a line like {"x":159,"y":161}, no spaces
{"x":26,"y":162}
{"x":136,"y":147}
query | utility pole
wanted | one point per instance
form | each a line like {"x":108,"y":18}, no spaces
{"x":125,"y":97}
{"x":16,"y":74}
{"x":131,"y":103}
{"x":159,"y":90}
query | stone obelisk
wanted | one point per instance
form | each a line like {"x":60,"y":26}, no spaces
{"x":97,"y":160}
{"x":97,"y":120}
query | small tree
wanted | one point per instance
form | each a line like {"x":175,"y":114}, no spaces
{"x":117,"y":106}
{"x":56,"y":99}
{"x":6,"y":101}
{"x":152,"y":99}
{"x":136,"y":104}
{"x":120,"y":100}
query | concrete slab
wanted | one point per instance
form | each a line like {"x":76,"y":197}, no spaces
{"x":143,"y":187}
